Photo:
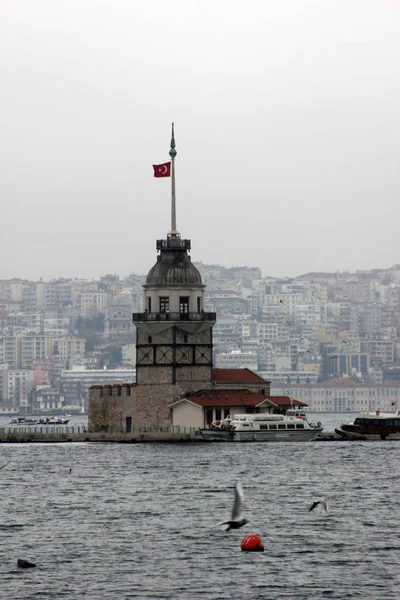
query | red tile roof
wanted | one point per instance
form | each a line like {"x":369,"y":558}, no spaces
{"x":227,"y":398}
{"x":236,"y":376}
{"x":285,"y":401}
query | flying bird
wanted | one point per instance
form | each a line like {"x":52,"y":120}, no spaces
{"x":281,"y":301}
{"x":343,"y":341}
{"x":237,"y":520}
{"x":316,"y":503}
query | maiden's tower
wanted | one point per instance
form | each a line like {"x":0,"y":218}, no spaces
{"x":174,"y":338}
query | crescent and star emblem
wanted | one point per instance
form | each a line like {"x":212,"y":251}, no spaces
{"x":165,"y":169}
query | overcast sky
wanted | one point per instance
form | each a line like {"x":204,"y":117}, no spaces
{"x":287,"y":132}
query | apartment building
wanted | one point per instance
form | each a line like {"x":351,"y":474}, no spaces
{"x":16,"y":386}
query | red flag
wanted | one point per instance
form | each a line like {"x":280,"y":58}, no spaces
{"x":163,"y":170}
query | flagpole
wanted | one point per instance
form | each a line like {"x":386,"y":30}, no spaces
{"x":172,"y":153}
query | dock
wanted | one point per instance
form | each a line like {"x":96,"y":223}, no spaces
{"x":59,"y":434}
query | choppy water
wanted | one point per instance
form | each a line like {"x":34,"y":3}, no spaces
{"x":139,"y":521}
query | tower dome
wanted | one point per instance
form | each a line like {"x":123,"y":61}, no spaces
{"x":173,"y":266}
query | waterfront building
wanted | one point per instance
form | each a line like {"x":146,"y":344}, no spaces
{"x":45,"y":399}
{"x":343,"y":395}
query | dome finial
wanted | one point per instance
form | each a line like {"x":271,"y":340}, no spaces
{"x":172,"y":151}
{"x":172,"y":154}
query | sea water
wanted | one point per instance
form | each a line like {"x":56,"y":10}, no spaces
{"x":119,"y":521}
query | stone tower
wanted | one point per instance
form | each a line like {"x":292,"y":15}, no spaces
{"x":174,"y":334}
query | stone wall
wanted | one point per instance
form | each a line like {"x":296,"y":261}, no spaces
{"x":109,"y":406}
{"x":146,"y":405}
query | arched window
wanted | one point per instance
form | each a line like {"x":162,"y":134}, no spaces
{"x":149,"y":339}
{"x":185,"y":339}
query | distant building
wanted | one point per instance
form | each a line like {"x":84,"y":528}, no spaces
{"x":16,"y":386}
{"x":75,"y":384}
{"x":343,"y":395}
{"x":236,"y":359}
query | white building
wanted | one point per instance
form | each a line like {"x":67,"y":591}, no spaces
{"x":236,"y":359}
{"x":341,"y":395}
{"x":287,"y":375}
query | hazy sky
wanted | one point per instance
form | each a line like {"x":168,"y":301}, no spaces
{"x":287,"y":132}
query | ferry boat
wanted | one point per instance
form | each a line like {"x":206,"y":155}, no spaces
{"x":372,"y":426}
{"x":293,"y":426}
{"x":62,"y":420}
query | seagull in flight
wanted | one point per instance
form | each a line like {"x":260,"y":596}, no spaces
{"x":237,"y":520}
{"x":316,"y":503}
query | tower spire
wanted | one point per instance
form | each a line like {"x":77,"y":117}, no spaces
{"x":172,"y":153}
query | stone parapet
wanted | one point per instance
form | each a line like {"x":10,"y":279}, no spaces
{"x":141,"y":434}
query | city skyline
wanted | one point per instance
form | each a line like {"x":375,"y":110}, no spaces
{"x":287,"y":135}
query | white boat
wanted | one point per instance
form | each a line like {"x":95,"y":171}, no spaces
{"x":22,"y":421}
{"x":62,"y":420}
{"x":374,"y":425}
{"x":293,"y":426}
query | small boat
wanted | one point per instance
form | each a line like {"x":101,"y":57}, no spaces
{"x":63,"y":420}
{"x":22,"y":421}
{"x":293,"y":426}
{"x":372,"y":426}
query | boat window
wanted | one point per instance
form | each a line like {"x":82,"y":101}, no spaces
{"x":281,"y":426}
{"x":299,"y":426}
{"x":245,"y":424}
{"x":397,"y":422}
{"x":263,"y":426}
{"x":358,"y":422}
{"x":273,"y":426}
{"x":290,"y":426}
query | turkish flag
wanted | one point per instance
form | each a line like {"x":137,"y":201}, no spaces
{"x":163,"y":170}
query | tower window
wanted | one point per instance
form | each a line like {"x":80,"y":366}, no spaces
{"x":185,"y":338}
{"x":149,"y":339}
{"x":164,"y":304}
{"x":198,"y":304}
{"x":149,"y":304}
{"x":184,"y":304}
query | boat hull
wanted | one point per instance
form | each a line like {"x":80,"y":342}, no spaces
{"x":303,"y":435}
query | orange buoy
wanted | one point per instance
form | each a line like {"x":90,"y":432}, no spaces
{"x":252,"y":543}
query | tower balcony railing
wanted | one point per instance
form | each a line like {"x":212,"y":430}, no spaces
{"x":173,"y":243}
{"x":173,"y":316}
